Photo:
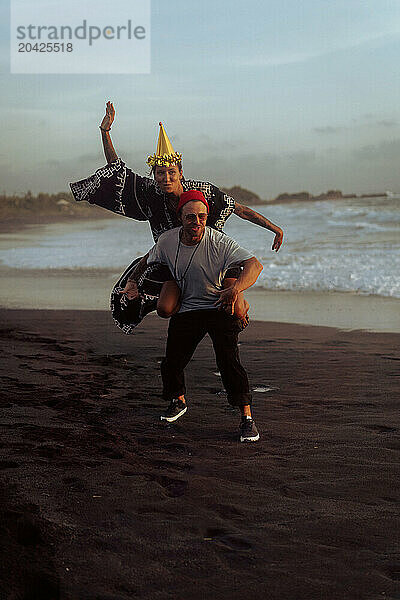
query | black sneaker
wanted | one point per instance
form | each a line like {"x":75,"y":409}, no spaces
{"x":176,"y":409}
{"x":248,"y":430}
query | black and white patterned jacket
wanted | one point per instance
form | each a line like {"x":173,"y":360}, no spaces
{"x":116,"y":188}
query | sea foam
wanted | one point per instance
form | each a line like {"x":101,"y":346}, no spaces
{"x":348,"y":245}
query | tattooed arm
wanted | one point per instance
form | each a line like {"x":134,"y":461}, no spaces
{"x":244,"y":212}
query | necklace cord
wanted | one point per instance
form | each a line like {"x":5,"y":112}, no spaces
{"x":189,"y":263}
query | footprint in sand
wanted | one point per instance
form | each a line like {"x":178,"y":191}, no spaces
{"x":227,"y":540}
{"x":173,"y":487}
{"x":381,"y":428}
{"x":8,"y":464}
{"x":28,"y":531}
{"x":164,"y":464}
{"x":108,"y":452}
{"x":393,"y":571}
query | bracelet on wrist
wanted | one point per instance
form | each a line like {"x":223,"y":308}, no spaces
{"x":102,"y":128}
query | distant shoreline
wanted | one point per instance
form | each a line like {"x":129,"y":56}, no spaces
{"x":251,"y":199}
{"x":305,"y":197}
{"x":18,"y":212}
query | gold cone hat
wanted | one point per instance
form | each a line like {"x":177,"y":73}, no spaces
{"x":165,"y":155}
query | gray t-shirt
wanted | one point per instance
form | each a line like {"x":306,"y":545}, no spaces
{"x":198,"y":270}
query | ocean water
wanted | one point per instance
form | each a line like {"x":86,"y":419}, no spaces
{"x":350,"y":245}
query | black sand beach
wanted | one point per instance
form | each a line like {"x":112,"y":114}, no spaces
{"x":99,"y":500}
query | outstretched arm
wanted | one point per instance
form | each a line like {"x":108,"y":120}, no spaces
{"x":244,"y":212}
{"x":105,"y":127}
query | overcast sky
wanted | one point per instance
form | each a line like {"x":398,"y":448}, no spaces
{"x":273,"y":95}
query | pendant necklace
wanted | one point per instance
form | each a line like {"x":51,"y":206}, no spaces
{"x":189,"y":263}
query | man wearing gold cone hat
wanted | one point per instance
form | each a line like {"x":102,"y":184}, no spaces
{"x":116,"y":188}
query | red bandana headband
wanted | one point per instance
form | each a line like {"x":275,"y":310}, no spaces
{"x":189,"y":196}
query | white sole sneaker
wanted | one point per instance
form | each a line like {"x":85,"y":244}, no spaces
{"x":175,"y":417}
{"x":252,"y":439}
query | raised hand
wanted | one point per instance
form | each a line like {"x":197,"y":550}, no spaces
{"x":109,"y":116}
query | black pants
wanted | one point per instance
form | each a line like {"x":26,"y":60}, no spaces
{"x":185,"y":332}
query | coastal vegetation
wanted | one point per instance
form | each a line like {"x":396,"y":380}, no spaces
{"x":251,"y":199}
{"x":41,"y":208}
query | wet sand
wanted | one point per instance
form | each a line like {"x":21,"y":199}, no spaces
{"x":89,"y":289}
{"x":99,"y":500}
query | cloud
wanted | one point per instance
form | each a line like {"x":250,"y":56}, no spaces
{"x":53,"y":163}
{"x":387,"y":123}
{"x":356,"y":124}
{"x":388,"y":151}
{"x":328,"y":130}
{"x":276,"y":61}
{"x":378,"y":120}
{"x":265,"y":173}
{"x":302,"y":56}
{"x":366,"y":168}
{"x":300,"y":157}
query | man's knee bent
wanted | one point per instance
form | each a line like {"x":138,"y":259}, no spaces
{"x":166,"y":308}
{"x":169,"y":301}
{"x":164,"y":313}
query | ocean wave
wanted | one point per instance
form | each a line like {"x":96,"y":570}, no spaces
{"x":328,"y":246}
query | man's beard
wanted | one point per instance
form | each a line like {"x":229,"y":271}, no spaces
{"x":194,"y":236}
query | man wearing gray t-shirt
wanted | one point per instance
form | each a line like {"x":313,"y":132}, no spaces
{"x":198,"y":258}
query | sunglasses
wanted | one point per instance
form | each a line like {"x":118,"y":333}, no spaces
{"x":193,"y":217}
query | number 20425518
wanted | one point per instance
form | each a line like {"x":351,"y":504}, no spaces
{"x":45,"y":47}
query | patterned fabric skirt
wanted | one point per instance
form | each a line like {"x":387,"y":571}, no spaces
{"x":127,"y":314}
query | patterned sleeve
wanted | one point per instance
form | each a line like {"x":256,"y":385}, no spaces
{"x":222,"y":206}
{"x":116,"y":188}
